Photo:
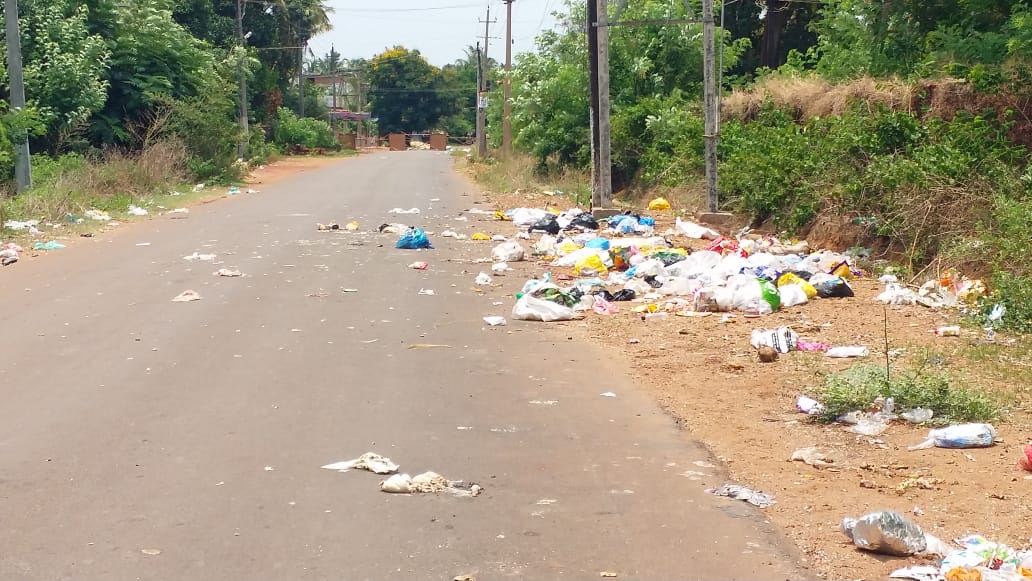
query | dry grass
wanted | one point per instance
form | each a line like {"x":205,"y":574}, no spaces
{"x":811,"y":96}
{"x":519,"y":174}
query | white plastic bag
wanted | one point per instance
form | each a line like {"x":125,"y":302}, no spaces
{"x":792,"y":295}
{"x":693,"y":230}
{"x":531,"y":308}
{"x":781,"y":339}
{"x":959,"y":436}
{"x":508,"y":252}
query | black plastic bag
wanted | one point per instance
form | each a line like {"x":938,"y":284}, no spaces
{"x":604,"y":294}
{"x":834,"y":289}
{"x":624,"y":295}
{"x":547,"y":224}
{"x":584,"y":221}
{"x":653,"y":281}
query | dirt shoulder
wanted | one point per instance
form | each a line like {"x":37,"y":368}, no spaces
{"x":704,"y":372}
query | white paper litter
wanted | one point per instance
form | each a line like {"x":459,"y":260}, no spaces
{"x":227,"y":272}
{"x":430,"y":482}
{"x":400,"y":211}
{"x":202,"y":257}
{"x":495,"y":321}
{"x":369,"y":461}
{"x":187,"y":296}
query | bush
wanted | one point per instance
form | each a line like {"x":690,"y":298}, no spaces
{"x":293,"y":134}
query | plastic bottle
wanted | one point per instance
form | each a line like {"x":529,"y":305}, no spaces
{"x":948,"y":331}
{"x":660,"y":316}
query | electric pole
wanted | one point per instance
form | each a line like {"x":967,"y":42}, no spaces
{"x":605,"y":170}
{"x":709,"y":98}
{"x":507,"y":87}
{"x":245,"y":131}
{"x":482,"y":95}
{"x":593,"y":103}
{"x":480,"y":99}
{"x":358,"y":89}
{"x":22,"y":166}
{"x":301,"y":75}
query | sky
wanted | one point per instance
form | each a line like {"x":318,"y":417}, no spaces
{"x":440,"y":29}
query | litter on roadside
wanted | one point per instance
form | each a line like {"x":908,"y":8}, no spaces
{"x":813,"y":456}
{"x":414,"y":239}
{"x":495,"y":321}
{"x":50,"y":245}
{"x":483,"y":279}
{"x":97,"y":215}
{"x":429,"y":482}
{"x":327,"y":227}
{"x":228,"y":272}
{"x":760,"y":499}
{"x":885,"y":532}
{"x":369,"y":461}
{"x":959,"y":436}
{"x":848,"y":352}
{"x":201,"y":257}
{"x":419,"y":265}
{"x":427,"y":291}
{"x":187,"y":296}
{"x":137,"y":211}
{"x":401,"y":211}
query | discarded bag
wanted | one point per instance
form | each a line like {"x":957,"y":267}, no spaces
{"x":836,"y":288}
{"x":430,"y":482}
{"x":603,"y":307}
{"x":959,"y":436}
{"x":479,"y":236}
{"x":548,"y":224}
{"x":590,"y":265}
{"x":1026,"y":459}
{"x":693,"y":230}
{"x":583,"y":221}
{"x":659,"y":204}
{"x":531,"y":308}
{"x":369,"y":461}
{"x":781,"y":339}
{"x":187,"y":296}
{"x":749,"y":495}
{"x":483,"y":279}
{"x":508,"y":252}
{"x":414,"y":239}
{"x":885,"y":532}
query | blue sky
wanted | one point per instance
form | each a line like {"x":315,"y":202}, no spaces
{"x":439,"y":29}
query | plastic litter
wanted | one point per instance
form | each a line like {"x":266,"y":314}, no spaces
{"x":187,"y":296}
{"x":483,"y":279}
{"x":808,"y":405}
{"x":500,"y":268}
{"x":369,"y":461}
{"x":693,"y":230}
{"x":50,"y":245}
{"x":137,"y":211}
{"x":737,"y":492}
{"x":812,"y":456}
{"x":867,"y":424}
{"x":97,"y":215}
{"x":352,"y":226}
{"x":659,"y":204}
{"x":427,"y":292}
{"x":917,"y":415}
{"x":18,"y":225}
{"x":531,"y":307}
{"x":848,"y":352}
{"x":885,"y":532}
{"x":584,"y":222}
{"x":414,"y":239}
{"x":548,"y":223}
{"x":959,"y":436}
{"x":419,"y":266}
{"x":429,"y":482}
{"x":918,"y":573}
{"x":604,"y":307}
{"x":401,"y":211}
{"x":479,"y":237}
{"x":201,"y":257}
{"x":495,"y":321}
{"x":1026,"y":459}
{"x":392,"y":228}
{"x":781,"y":339}
{"x":834,"y":288}
{"x":508,"y":252}
{"x":804,"y":345}
{"x":227,"y":272}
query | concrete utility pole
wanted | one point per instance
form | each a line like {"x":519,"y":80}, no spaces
{"x":593,"y":104}
{"x":709,"y":101}
{"x":245,"y":131}
{"x":507,"y":87}
{"x":22,"y":166}
{"x":301,"y":76}
{"x":605,"y":170}
{"x":358,"y":90}
{"x":482,"y":95}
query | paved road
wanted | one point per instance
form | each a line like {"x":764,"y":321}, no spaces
{"x":144,"y":438}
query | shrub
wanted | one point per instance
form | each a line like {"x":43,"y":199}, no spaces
{"x":293,"y":134}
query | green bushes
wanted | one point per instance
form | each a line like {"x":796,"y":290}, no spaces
{"x":292,"y":133}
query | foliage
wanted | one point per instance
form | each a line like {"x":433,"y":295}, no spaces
{"x":293,"y":133}
{"x":408,"y":94}
{"x":857,"y":387}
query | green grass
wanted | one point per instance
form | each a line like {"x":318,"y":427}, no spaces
{"x":858,"y":386}
{"x":519,"y":173}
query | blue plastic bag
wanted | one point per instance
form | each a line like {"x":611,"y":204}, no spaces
{"x":597,"y":243}
{"x":414,"y":239}
{"x":646,"y":221}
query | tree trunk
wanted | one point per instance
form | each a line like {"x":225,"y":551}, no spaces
{"x":773,"y":25}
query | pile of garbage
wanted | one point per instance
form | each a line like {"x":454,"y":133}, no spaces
{"x":975,"y":558}
{"x":622,"y":258}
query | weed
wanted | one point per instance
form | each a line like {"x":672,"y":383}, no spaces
{"x":856,"y":388}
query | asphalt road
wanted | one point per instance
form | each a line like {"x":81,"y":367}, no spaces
{"x":145,"y":438}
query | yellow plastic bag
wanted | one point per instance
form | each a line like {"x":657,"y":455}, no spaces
{"x":352,"y":226}
{"x":659,"y":204}
{"x":789,"y":278}
{"x":843,"y":271}
{"x":480,"y":236}
{"x":590,"y":265}
{"x":568,"y":247}
{"x":501,"y":216}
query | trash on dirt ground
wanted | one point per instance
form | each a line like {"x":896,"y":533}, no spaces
{"x":608,"y":394}
{"x":659,"y":204}
{"x":607,"y":574}
{"x":369,"y":461}
{"x":604,"y":307}
{"x":419,"y":265}
{"x":483,"y":279}
{"x":427,"y":291}
{"x":813,"y":456}
{"x":17,"y":225}
{"x":959,"y":436}
{"x":693,"y":230}
{"x":508,"y":252}
{"x":781,"y":339}
{"x":151,"y":552}
{"x":809,"y":346}
{"x":227,"y":272}
{"x":1026,"y":459}
{"x":848,"y":352}
{"x":413,"y":239}
{"x":947,"y":331}
{"x":479,"y":237}
{"x":429,"y":482}
{"x":808,"y":405}
{"x":867,"y":423}
{"x":464,"y":578}
{"x":97,"y":215}
{"x":917,"y":415}
{"x":500,"y":268}
{"x":886,"y":532}
{"x":352,"y":226}
{"x":767,"y":354}
{"x":536,"y":306}
{"x":327,"y":227}
{"x":392,"y":228}
{"x":49,"y":245}
{"x":401,"y":211}
{"x":136,"y":210}
{"x":349,"y":290}
{"x":428,"y":346}
{"x":179,"y":211}
{"x":494,"y":321}
{"x":918,"y":573}
{"x":187,"y":296}
{"x":980,"y":558}
{"x":201,"y":257}
{"x":737,"y":492}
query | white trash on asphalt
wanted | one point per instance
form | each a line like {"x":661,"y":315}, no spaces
{"x":429,"y":482}
{"x":500,"y":268}
{"x":187,"y":296}
{"x":401,"y":211}
{"x":760,"y":499}
{"x":495,"y":321}
{"x":369,"y":461}
{"x":886,"y":532}
{"x":228,"y":272}
{"x":201,"y":257}
{"x":508,"y":252}
{"x":482,"y":279}
{"x":136,"y":210}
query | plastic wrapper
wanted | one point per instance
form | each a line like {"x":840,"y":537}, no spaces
{"x":781,"y":339}
{"x":959,"y":436}
{"x":508,"y":252}
{"x":886,"y":532}
{"x":414,"y":239}
{"x":547,"y":224}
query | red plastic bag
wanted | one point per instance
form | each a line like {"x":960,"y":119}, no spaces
{"x":727,"y":246}
{"x":1026,"y":462}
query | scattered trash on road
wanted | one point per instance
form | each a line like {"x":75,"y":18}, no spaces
{"x":400,"y":211}
{"x":1026,"y":459}
{"x":50,"y":245}
{"x":428,"y":346}
{"x":813,"y":456}
{"x":608,"y":394}
{"x":327,"y":227}
{"x":369,"y":461}
{"x":413,"y":239}
{"x":97,"y":215}
{"x":495,"y":321}
{"x":885,"y":532}
{"x":429,"y":482}
{"x":201,"y":257}
{"x":227,"y":272}
{"x":483,"y":279}
{"x":808,"y":405}
{"x":508,"y":252}
{"x":427,"y":291}
{"x":151,"y":552}
{"x":419,"y":265}
{"x":959,"y":436}
{"x":137,"y":211}
{"x":187,"y":296}
{"x":737,"y":492}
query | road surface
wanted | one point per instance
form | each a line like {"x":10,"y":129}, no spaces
{"x":145,"y":438}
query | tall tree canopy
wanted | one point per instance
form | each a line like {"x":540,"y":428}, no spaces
{"x":408,"y":94}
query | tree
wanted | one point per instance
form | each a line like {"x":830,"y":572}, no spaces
{"x":408,"y":94}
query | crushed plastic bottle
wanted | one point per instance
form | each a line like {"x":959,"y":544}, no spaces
{"x":885,"y":532}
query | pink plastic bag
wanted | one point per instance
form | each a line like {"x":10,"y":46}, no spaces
{"x":803,"y":345}
{"x":604,"y":307}
{"x":1026,"y":462}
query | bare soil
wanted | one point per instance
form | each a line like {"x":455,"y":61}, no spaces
{"x":705,"y":373}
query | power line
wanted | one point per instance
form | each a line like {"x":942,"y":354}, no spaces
{"x":423,"y":9}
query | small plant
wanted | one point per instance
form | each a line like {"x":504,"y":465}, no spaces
{"x":294,"y":134}
{"x":857,"y":388}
